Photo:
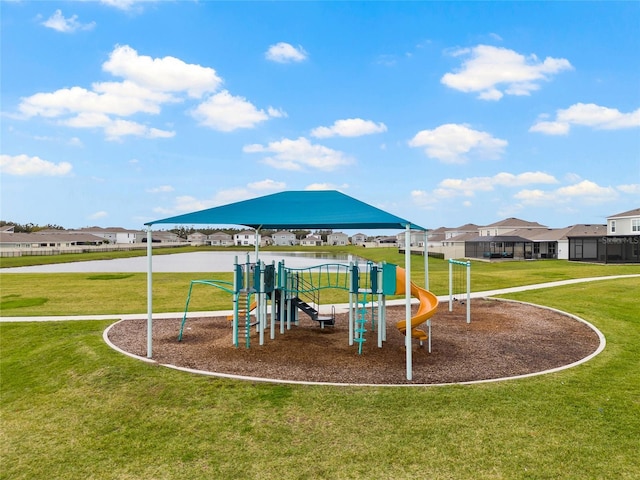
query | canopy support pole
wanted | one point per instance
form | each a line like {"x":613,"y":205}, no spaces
{"x":407,"y":288}
{"x":257,"y":243}
{"x":426,"y":259}
{"x":149,"y":294}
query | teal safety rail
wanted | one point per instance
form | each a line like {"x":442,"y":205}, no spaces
{"x":307,"y":283}
{"x":329,"y":275}
{"x":221,"y":284}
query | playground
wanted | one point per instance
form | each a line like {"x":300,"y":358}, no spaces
{"x":505,"y":339}
{"x":278,"y":294}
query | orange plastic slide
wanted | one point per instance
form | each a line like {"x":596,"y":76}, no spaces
{"x":428,"y":306}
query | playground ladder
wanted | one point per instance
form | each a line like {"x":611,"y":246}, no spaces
{"x":361,"y":322}
{"x":244,"y":312}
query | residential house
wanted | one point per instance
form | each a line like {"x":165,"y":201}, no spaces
{"x":386,"y":241}
{"x":112,"y":234}
{"x":219,"y":239}
{"x":31,"y":241}
{"x":311,"y":241}
{"x":416,"y":238}
{"x":359,"y":239}
{"x":338,"y":238}
{"x":246,"y":238}
{"x":501,"y":240}
{"x":284,"y":238}
{"x":197,"y":239}
{"x":164,"y":236}
{"x":462,"y":230}
{"x":499,"y":246}
{"x":621,"y":244}
{"x":507,"y":225}
{"x":625,"y":223}
{"x":450,"y":242}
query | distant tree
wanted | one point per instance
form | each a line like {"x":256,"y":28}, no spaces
{"x":300,"y":234}
{"x":323,"y":234}
{"x":182,"y":231}
{"x":29,"y":227}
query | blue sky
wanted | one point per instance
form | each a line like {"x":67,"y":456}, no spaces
{"x":120,"y":112}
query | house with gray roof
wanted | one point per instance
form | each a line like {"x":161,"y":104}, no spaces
{"x":284,"y":238}
{"x":338,"y":238}
{"x":359,"y":239}
{"x":507,"y":225}
{"x":219,"y":239}
{"x":312,"y":241}
{"x":619,"y":243}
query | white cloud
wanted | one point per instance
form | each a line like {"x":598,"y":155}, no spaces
{"x":588,"y":115}
{"x":58,"y":22}
{"x":184,"y":203}
{"x":285,"y":53}
{"x":161,"y":189}
{"x":467,"y":186}
{"x":551,"y":128}
{"x":454,"y":143}
{"x":526,"y":178}
{"x":493,"y":72}
{"x":24,"y":165}
{"x":350,"y":127}
{"x":300,"y":153}
{"x":187,"y":203}
{"x":108,"y":98}
{"x":149,"y":83}
{"x":168,"y":74}
{"x":450,"y":188}
{"x":424,"y":199}
{"x":632,"y":188}
{"x":121,"y":4}
{"x":115,"y":129}
{"x":327,"y":186}
{"x":276,"y":112}
{"x":266,"y":184}
{"x":586,"y":192}
{"x":226,"y":113}
{"x":98,"y":215}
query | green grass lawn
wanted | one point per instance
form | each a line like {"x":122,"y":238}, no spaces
{"x":28,"y":294}
{"x":73,"y":408}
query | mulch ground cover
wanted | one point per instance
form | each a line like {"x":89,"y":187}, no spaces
{"x":504,"y":339}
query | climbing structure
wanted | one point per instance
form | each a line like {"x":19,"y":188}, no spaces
{"x":263,"y":292}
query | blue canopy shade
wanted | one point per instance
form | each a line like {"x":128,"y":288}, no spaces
{"x":321,"y":209}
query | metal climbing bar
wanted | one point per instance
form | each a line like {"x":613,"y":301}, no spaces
{"x":221,"y":284}
{"x":467,"y":265}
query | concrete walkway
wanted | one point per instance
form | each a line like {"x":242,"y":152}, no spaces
{"x":339,"y":308}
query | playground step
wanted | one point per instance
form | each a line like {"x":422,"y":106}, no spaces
{"x":306,"y":308}
{"x":325,"y":320}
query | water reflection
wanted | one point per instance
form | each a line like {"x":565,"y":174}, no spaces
{"x":189,"y":262}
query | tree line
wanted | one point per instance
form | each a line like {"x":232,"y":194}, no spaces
{"x":29,"y":227}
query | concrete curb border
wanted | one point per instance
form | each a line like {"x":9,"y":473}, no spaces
{"x":600,"y":348}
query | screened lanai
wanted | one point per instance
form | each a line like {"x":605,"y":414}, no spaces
{"x":503,"y":246}
{"x":326,"y":209}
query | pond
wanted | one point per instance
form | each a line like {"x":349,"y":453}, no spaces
{"x":188,"y":262}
